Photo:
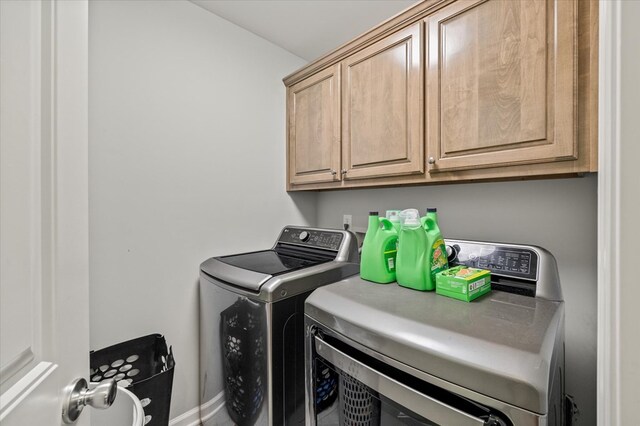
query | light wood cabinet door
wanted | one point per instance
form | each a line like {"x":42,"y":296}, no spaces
{"x":501,"y":80}
{"x":314,"y":128}
{"x":382,"y":131}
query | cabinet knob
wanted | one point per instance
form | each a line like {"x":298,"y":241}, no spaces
{"x":333,"y":172}
{"x":343,"y":171}
{"x":431,"y":160}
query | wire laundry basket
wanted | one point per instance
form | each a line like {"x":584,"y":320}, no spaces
{"x":359,"y":405}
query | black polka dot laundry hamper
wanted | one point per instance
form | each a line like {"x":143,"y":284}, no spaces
{"x":145,"y":367}
{"x":243,"y":344}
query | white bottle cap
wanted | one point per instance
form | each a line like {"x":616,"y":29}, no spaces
{"x":410,"y":218}
{"x":393,"y":215}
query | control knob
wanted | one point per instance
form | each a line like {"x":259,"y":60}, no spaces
{"x":304,"y":236}
{"x":452,"y":252}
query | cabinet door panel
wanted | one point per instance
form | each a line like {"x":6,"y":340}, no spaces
{"x":382,"y":108}
{"x":501,"y":83}
{"x":314,"y":128}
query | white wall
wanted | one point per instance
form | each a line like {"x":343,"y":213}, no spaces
{"x":559,"y":215}
{"x":187,"y":161}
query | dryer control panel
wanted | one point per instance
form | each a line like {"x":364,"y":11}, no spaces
{"x":504,"y":260}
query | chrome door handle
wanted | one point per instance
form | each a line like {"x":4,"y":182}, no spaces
{"x":78,"y":395}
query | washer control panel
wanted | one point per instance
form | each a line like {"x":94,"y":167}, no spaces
{"x":312,"y":238}
{"x":502,"y":260}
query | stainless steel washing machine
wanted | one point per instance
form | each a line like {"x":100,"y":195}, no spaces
{"x":252,"y":324}
{"x":384,"y":354}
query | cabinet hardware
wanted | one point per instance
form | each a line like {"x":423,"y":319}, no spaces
{"x":78,"y":395}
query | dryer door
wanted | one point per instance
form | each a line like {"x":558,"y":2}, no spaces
{"x":353,"y":388}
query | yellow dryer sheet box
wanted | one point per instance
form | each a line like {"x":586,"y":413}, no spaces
{"x":463,"y":283}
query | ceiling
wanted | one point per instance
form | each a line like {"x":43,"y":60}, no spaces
{"x":306,"y":28}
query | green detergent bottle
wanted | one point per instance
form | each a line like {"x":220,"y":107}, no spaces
{"x":412,"y":262}
{"x":436,"y":249}
{"x":378,"y":257}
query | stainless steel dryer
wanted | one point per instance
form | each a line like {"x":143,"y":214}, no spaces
{"x":384,"y":354}
{"x":252,"y":324}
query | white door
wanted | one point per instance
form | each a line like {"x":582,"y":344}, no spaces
{"x":44,"y":321}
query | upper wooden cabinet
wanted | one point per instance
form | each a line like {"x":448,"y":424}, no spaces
{"x":382,"y":108}
{"x":474,"y":89}
{"x":313,"y":116}
{"x":501,"y":83}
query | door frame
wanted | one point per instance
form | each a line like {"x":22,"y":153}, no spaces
{"x":608,"y":327}
{"x":618,"y":344}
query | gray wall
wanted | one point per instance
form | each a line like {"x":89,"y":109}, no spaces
{"x":187,"y":161}
{"x":559,"y":215}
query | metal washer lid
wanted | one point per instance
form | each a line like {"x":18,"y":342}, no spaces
{"x":274,"y":287}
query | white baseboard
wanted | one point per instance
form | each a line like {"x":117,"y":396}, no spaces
{"x":197,"y":415}
{"x":211,"y":407}
{"x":190,"y":418}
